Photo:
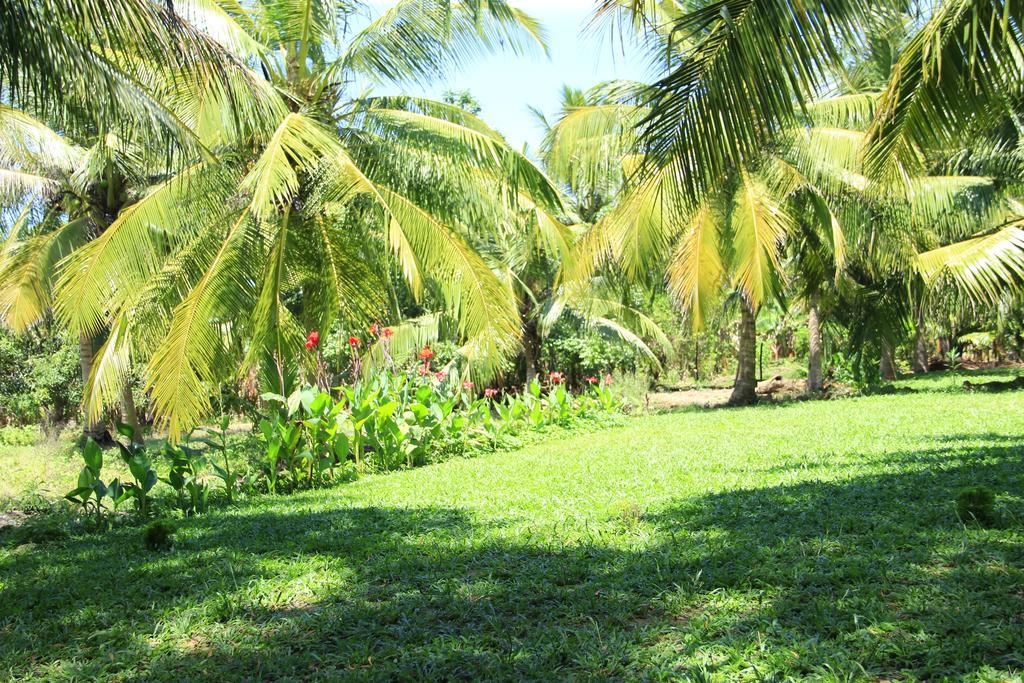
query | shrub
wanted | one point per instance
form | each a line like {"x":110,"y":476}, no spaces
{"x":976,"y":503}
{"x":39,"y":378}
{"x":18,"y":436}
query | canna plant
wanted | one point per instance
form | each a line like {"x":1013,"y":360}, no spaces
{"x":217,"y":440}
{"x":186,"y":478}
{"x":91,"y":490}
{"x":136,"y":457}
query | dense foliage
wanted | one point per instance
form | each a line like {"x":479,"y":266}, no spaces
{"x":313,"y":438}
{"x":40,"y":381}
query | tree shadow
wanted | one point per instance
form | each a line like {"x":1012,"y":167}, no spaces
{"x":869,"y":576}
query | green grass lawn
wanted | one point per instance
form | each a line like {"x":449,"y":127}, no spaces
{"x":808,"y":540}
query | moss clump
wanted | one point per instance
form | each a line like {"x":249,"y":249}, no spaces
{"x":158,"y":535}
{"x":977,"y":504}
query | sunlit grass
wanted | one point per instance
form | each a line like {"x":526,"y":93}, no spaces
{"x":806,"y":540}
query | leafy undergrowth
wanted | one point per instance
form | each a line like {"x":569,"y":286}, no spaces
{"x":807,"y":540}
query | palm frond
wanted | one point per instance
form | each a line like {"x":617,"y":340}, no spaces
{"x":953,"y":77}
{"x":735,"y":89}
{"x":184,"y":365}
{"x":696,"y":271}
{"x":984,"y":267}
{"x":129,"y":250}
{"x":630,"y":338}
{"x":30,"y":144}
{"x":111,"y":370}
{"x":587,"y":144}
{"x":641,"y":228}
{"x":469,"y":145}
{"x":416,"y":41}
{"x":18,"y":187}
{"x":759,"y":224}
{"x":26,"y":269}
{"x":484,"y":308}
{"x":299,"y":143}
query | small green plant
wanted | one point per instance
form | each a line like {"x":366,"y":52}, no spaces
{"x":141,"y":468}
{"x":629,"y":513}
{"x":185,"y":478}
{"x":976,"y":503}
{"x":158,"y":535}
{"x":91,"y":490}
{"x":217,"y":440}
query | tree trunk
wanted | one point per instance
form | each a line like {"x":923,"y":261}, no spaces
{"x":95,"y":430}
{"x":130,"y":414}
{"x":744,"y":390}
{"x":531,"y":349}
{"x":696,"y":359}
{"x":815,"y":382}
{"x":920,"y":342}
{"x":886,"y":367}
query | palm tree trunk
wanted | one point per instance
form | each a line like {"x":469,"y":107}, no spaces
{"x":744,"y":390}
{"x":815,"y":381}
{"x":531,"y":349}
{"x":94,"y":430}
{"x":920,"y":342}
{"x":130,"y":414}
{"x":886,"y":367}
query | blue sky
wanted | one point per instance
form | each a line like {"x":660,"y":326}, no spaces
{"x":505,"y":84}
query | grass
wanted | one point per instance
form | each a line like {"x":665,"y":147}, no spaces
{"x":809,"y":540}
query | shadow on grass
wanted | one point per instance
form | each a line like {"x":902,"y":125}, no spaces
{"x":870,"y":576}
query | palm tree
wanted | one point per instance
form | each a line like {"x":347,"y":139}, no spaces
{"x":542,"y":253}
{"x":734,"y":235}
{"x":729,"y":96}
{"x":229,"y":262}
{"x":62,"y":193}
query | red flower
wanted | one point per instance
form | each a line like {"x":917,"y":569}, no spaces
{"x":387,"y":333}
{"x":467,"y":385}
{"x":375,"y":329}
{"x":556,"y":377}
{"x":424,"y":370}
{"x":353,"y":342}
{"x":592,"y":380}
{"x":490,"y":393}
{"x":608,"y":379}
{"x":313,"y":339}
{"x":426,"y":353}
{"x":441,"y":375}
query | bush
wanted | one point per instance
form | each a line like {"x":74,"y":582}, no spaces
{"x":976,"y":503}
{"x":18,"y":436}
{"x":40,"y":378}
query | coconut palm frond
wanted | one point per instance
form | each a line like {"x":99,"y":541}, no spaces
{"x":184,"y":365}
{"x":696,"y":271}
{"x":954,"y":77}
{"x":759,"y":224}
{"x":416,"y":41}
{"x":984,"y":267}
